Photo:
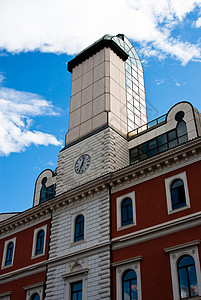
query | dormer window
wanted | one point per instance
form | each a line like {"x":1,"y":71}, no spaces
{"x":47,"y":193}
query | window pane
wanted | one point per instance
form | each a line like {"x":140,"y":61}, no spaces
{"x":183,"y":283}
{"x":162,"y":139}
{"x":171,"y":135}
{"x":134,"y":295}
{"x":127,"y":211}
{"x":178,"y":194}
{"x":181,"y":128}
{"x":193,"y":281}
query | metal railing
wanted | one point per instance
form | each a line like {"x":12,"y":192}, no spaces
{"x":147,"y":126}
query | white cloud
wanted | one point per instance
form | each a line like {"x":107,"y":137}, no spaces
{"x":179,"y":84}
{"x":160,"y":81}
{"x":1,"y":79}
{"x":69,"y":26}
{"x":17,"y":110}
{"x":197,"y":23}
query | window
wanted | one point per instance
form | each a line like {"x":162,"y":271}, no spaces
{"x":47,"y":193}
{"x":40,"y":242}
{"x":8,"y":254}
{"x":75,"y":280}
{"x":128,"y":279}
{"x":79,"y":228}
{"x":185,"y":270}
{"x":188,"y":286}
{"x":126,"y":212}
{"x":129,"y":285}
{"x":35,"y":297}
{"x":162,"y":142}
{"x":35,"y":291}
{"x":177,"y":193}
{"x":76,"y":290}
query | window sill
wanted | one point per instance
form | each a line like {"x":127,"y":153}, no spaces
{"x":126,"y":226}
{"x":178,"y":210}
{"x":73,"y":244}
{"x":36,"y":256}
{"x":5,"y":267}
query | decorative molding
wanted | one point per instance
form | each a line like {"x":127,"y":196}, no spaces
{"x":157,"y":231}
{"x":127,"y":261}
{"x":23,"y":272}
{"x":181,"y":246}
{"x":36,"y":285}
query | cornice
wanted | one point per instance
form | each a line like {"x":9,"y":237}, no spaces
{"x":97,"y":248}
{"x":185,"y":154}
{"x":157,"y":231}
{"x":19,"y":273}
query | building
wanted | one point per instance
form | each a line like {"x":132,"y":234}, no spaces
{"x":120,"y":218}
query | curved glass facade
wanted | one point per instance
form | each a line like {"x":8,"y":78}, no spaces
{"x":136,"y":103}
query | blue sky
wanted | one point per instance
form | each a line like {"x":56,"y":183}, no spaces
{"x":38,"y":38}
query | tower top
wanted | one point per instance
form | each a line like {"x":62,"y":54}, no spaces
{"x":106,"y":41}
{"x":107,"y":89}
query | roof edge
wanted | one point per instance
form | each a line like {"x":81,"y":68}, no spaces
{"x":93,"y":49}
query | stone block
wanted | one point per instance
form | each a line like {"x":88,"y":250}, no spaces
{"x":86,"y":112}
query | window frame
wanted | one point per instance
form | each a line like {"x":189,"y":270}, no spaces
{"x":3,"y":265}
{"x":36,"y":231}
{"x":121,"y":268}
{"x":119,"y":200}
{"x":75,"y":277}
{"x":5,"y":296}
{"x":175,"y":254}
{"x":37,"y":288}
{"x":168,"y":183}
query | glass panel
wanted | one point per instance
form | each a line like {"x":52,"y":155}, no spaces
{"x":152,"y":144}
{"x":163,"y":148}
{"x":183,"y":139}
{"x":162,"y":139}
{"x":184,"y":292}
{"x":181,"y":128}
{"x":172,"y":135}
{"x":134,"y":295}
{"x":172,"y":144}
{"x":193,"y":281}
{"x":36,"y":297}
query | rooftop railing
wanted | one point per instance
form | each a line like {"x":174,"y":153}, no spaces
{"x":147,"y":126}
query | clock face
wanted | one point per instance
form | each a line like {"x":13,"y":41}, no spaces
{"x":82,"y":163}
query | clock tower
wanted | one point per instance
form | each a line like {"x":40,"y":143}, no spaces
{"x":107,"y":101}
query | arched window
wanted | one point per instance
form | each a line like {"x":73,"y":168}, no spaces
{"x":47,"y":193}
{"x":188,"y":285}
{"x":178,"y":194}
{"x":35,"y":297}
{"x":40,"y":242}
{"x":79,"y":228}
{"x":126,"y":212}
{"x":181,"y":128}
{"x":129,"y":285}
{"x":9,"y":254}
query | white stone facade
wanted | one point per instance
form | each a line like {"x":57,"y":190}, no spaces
{"x":87,"y":260}
{"x":108,"y":151}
